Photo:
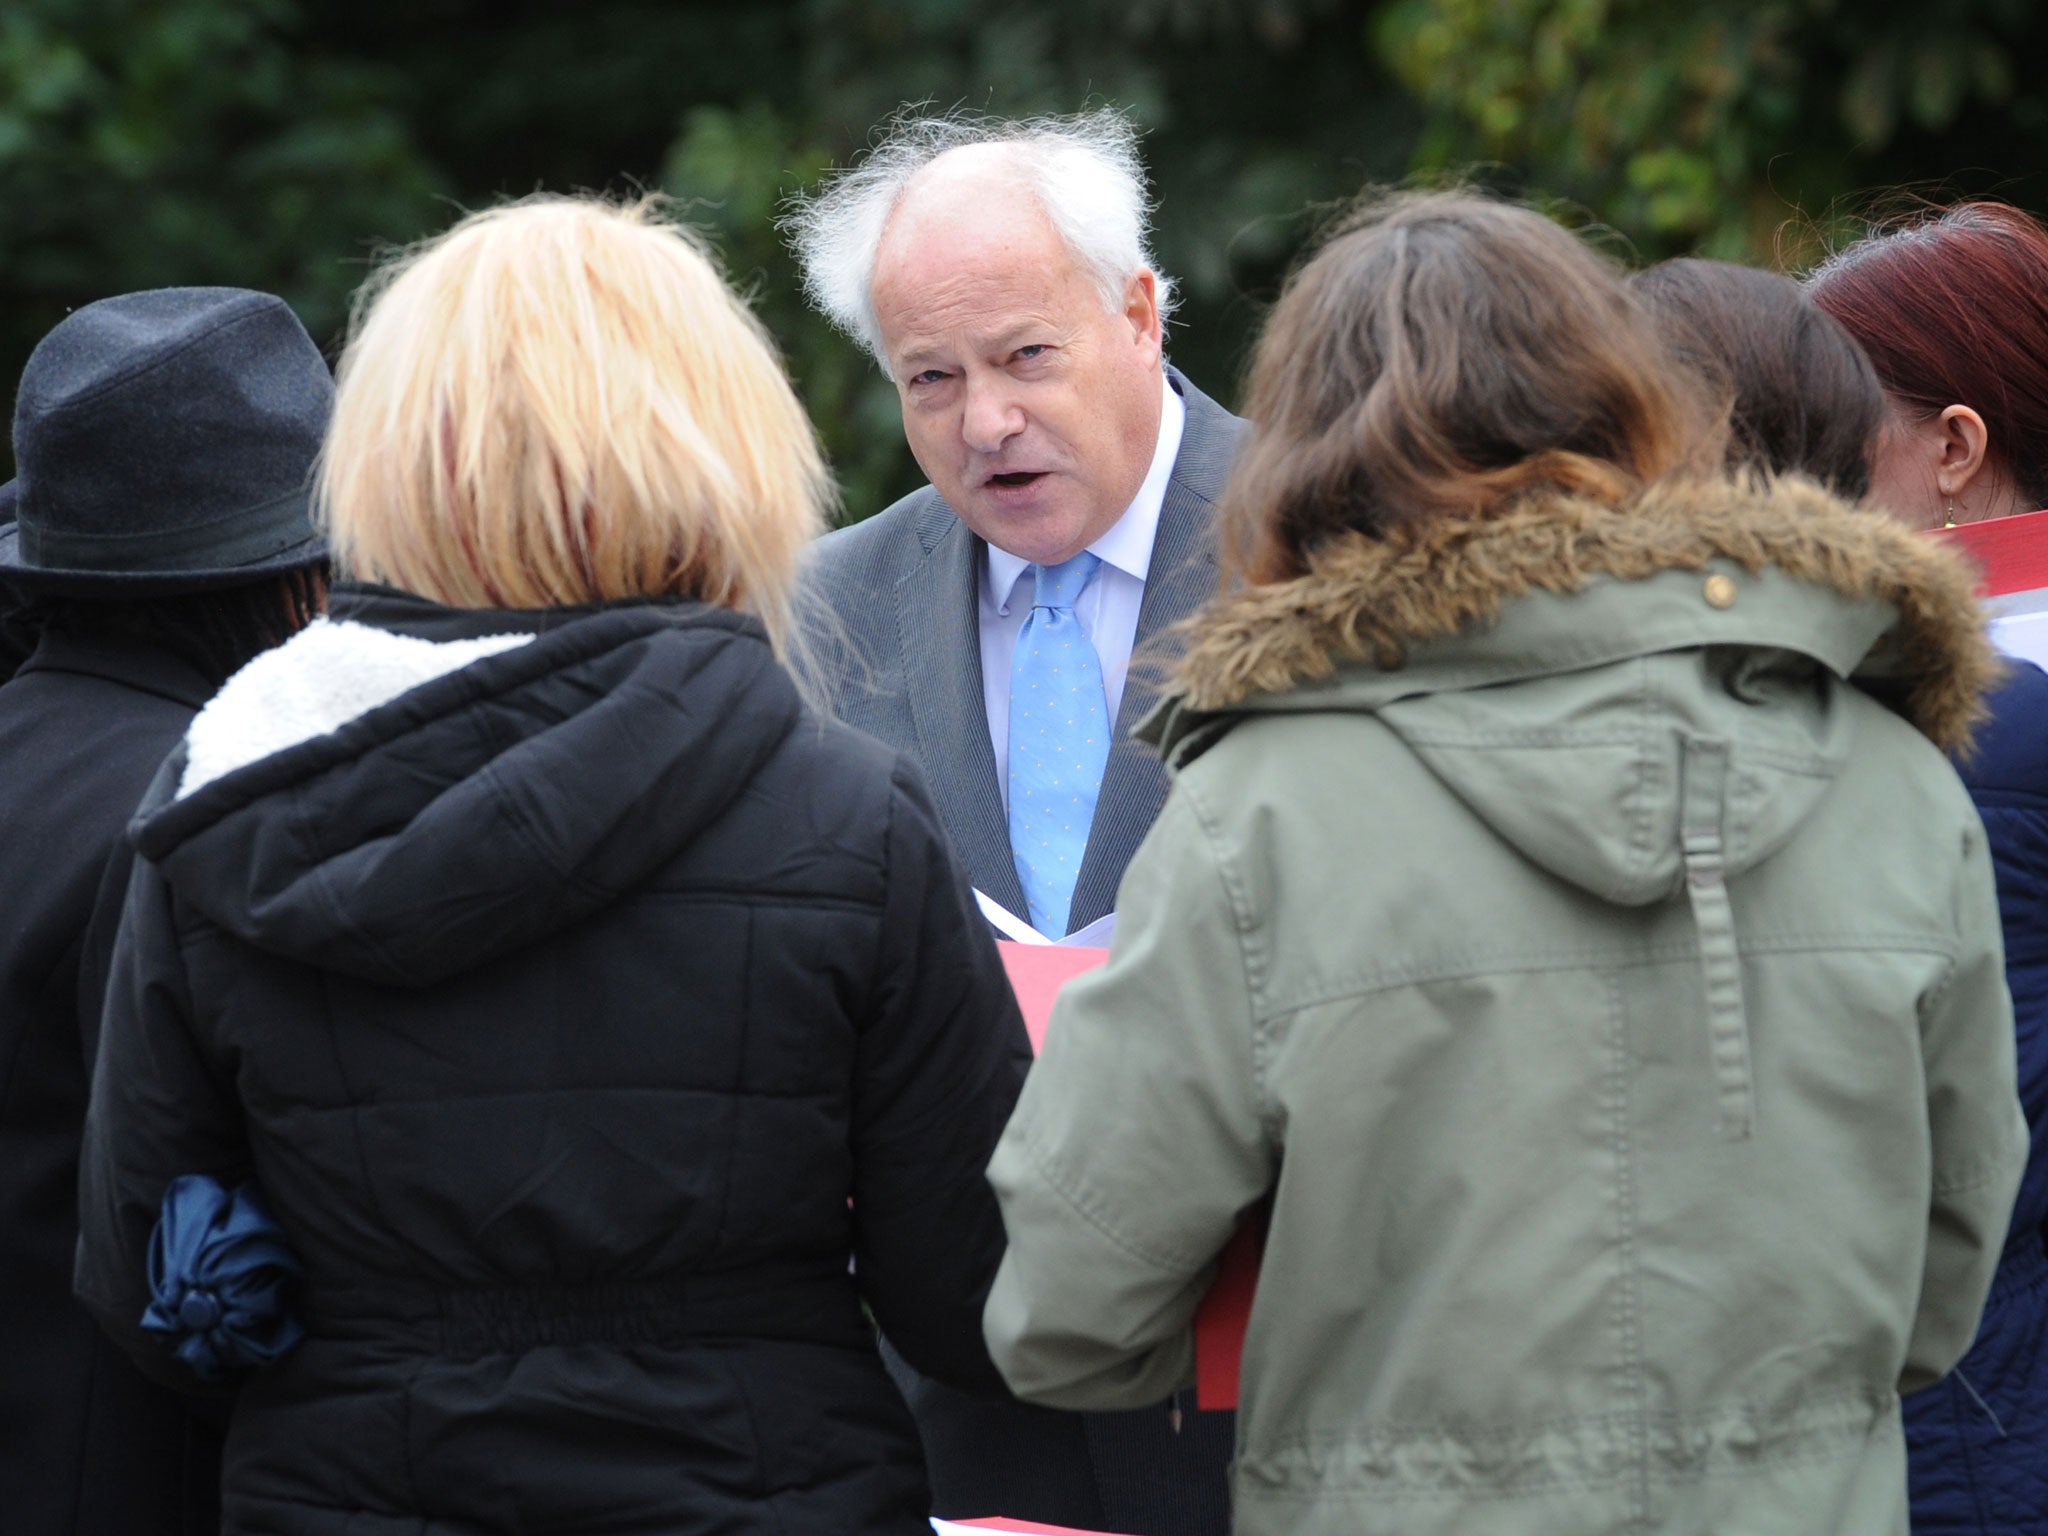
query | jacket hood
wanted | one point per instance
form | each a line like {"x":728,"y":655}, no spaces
{"x":1680,"y":647}
{"x":402,"y":810}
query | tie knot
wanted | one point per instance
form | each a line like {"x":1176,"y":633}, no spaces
{"x":1058,"y":586}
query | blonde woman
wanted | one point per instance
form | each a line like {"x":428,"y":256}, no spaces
{"x":578,"y":1004}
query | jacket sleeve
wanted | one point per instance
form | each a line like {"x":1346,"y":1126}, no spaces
{"x":1979,"y":1133}
{"x":942,"y":1056}
{"x":1138,"y":1144}
{"x":158,"y":1110}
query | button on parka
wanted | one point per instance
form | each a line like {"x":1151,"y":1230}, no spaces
{"x":1570,"y":919}
{"x":581,"y":1005}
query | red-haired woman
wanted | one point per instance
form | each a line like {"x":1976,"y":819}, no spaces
{"x":1953,"y":312}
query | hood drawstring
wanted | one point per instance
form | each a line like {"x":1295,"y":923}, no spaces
{"x":1703,"y":802}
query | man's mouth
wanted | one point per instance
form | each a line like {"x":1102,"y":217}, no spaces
{"x":1016,"y":478}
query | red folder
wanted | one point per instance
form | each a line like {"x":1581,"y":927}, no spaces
{"x":1225,"y":1313}
{"x":2013,"y":551}
{"x":1038,"y":971}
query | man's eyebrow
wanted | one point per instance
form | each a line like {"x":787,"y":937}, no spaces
{"x":1005,"y":340}
{"x":920,"y":351}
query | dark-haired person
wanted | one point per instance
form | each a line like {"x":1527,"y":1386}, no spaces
{"x":1637,"y":1122}
{"x":1953,"y":311}
{"x":163,"y":441}
{"x":1802,"y":397}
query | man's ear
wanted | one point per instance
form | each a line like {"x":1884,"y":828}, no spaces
{"x":1141,"y":309}
{"x":1964,"y":443}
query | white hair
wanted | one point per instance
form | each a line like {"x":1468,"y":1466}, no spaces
{"x":1083,"y":170}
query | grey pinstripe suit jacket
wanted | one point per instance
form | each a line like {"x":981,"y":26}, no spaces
{"x":902,"y":585}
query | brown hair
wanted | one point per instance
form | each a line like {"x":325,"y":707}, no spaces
{"x":1953,"y":310}
{"x":1444,"y":354}
{"x":1802,"y":396}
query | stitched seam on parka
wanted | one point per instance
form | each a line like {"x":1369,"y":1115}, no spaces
{"x":1512,"y":962}
{"x":1839,"y":1408}
{"x":1804,"y":766}
{"x":1975,"y":1180}
{"x":1980,"y":1171}
{"x":1251,"y":967}
{"x":1642,"y":803}
{"x":1627,"y":1302}
{"x":1082,"y":1204}
{"x":1847,"y":1440}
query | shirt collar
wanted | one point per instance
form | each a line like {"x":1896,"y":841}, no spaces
{"x":132,"y":663}
{"x":1127,"y":544}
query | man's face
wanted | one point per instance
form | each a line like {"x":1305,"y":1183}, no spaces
{"x":1029,"y":404}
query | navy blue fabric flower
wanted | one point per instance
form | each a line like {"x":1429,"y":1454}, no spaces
{"x":219,"y":1269}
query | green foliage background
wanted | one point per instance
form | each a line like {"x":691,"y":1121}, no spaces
{"x":281,"y":143}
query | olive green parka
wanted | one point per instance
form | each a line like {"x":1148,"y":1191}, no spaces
{"x":1571,"y":921}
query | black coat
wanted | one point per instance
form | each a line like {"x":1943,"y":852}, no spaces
{"x":86,"y":1444}
{"x":581,"y":1012}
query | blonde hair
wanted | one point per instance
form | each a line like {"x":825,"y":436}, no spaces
{"x":559,"y":401}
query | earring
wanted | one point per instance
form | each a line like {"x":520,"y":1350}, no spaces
{"x":1951,"y":513}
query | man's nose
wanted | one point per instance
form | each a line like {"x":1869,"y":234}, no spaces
{"x":991,"y":416}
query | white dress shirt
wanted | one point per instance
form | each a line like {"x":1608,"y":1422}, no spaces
{"x":1108,"y":606}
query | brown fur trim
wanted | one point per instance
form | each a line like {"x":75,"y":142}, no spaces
{"x":1367,"y":599}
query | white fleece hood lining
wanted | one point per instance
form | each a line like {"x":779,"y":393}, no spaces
{"x":323,"y":677}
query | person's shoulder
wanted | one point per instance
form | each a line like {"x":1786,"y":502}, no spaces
{"x":892,"y":538}
{"x":1204,"y":414}
{"x":2012,"y":745}
{"x":1210,"y":439}
{"x":852,"y":779}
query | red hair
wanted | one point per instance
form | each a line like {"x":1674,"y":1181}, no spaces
{"x":1953,"y":310}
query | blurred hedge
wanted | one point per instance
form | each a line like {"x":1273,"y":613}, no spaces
{"x":280,"y":143}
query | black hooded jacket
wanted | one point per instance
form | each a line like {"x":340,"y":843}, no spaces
{"x":580,"y":1011}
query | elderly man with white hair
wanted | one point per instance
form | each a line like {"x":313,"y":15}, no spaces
{"x":999,"y":274}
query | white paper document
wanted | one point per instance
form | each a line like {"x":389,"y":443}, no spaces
{"x":2024,"y":635}
{"x":1011,"y":926}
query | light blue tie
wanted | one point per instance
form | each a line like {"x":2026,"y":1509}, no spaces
{"x":1059,"y":740}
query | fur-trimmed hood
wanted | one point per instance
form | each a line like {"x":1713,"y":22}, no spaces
{"x":403,"y":811}
{"x":1425,"y":593}
{"x":1581,"y":675}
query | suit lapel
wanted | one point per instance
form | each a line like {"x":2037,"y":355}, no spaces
{"x":940,"y":638}
{"x":1182,"y":577}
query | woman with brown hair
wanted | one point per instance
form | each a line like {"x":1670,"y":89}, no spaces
{"x":580,"y":1005}
{"x":1953,"y":310}
{"x":1802,"y":397}
{"x":1515,"y":925}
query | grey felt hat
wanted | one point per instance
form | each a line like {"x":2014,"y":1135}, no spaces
{"x":163,"y":443}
